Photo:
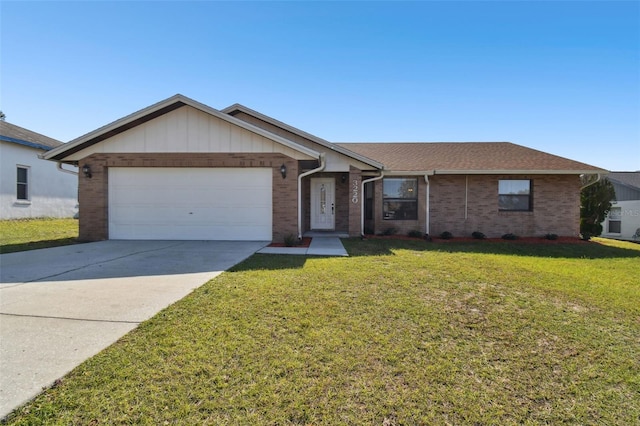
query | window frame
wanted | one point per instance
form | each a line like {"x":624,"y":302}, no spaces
{"x":402,"y":200}
{"x":24,"y":185}
{"x":617,"y":219}
{"x":528,"y":196}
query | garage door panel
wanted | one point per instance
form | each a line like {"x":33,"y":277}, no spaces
{"x":142,"y":195}
{"x":168,"y":216}
{"x":190,"y":203}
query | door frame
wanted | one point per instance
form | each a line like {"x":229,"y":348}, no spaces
{"x":330,"y":203}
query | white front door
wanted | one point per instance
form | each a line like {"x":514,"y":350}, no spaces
{"x":323,"y":202}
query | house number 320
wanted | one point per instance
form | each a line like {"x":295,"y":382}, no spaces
{"x":354,"y":191}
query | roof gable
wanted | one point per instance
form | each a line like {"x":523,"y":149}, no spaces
{"x":468,"y":158}
{"x":239,"y":108}
{"x":19,"y":135}
{"x":157,"y":110}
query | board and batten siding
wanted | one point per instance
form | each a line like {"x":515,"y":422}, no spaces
{"x":335,"y":161}
{"x":187,"y":130}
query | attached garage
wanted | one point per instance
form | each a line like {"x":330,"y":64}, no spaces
{"x":180,"y":170}
{"x":164,"y":203}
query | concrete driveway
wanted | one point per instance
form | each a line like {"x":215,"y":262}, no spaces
{"x":62,"y":305}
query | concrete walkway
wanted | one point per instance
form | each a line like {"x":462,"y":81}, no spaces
{"x":62,"y":305}
{"x":320,"y":246}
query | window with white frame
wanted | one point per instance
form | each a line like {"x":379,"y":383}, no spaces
{"x":615,"y":220}
{"x":22,"y":183}
{"x":400,"y":199}
{"x":515,"y":195}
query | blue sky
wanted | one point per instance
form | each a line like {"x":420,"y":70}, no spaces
{"x":561,"y":77}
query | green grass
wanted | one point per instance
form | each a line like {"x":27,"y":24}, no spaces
{"x":30,"y":234}
{"x":401,"y":332}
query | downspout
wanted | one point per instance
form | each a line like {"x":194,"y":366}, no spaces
{"x":466,"y":197}
{"x":362,"y":200}
{"x":598,"y":177}
{"x":71,"y":172}
{"x":303,"y":175}
{"x":427,"y":225}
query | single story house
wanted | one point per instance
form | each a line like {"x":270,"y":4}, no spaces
{"x":29,"y":186}
{"x":623,"y":220}
{"x":180,"y":169}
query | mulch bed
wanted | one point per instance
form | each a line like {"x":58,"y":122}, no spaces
{"x":306,"y":241}
{"x":524,"y":240}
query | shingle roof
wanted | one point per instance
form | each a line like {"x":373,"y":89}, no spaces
{"x":466,"y":156}
{"x":626,"y":178}
{"x":12,"y":133}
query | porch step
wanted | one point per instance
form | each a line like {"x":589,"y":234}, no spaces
{"x":320,"y":246}
{"x":322,"y":234}
{"x":326,"y":246}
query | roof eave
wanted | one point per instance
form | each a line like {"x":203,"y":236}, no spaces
{"x":25,"y":143}
{"x":490,"y":172}
{"x":316,"y":139}
{"x":155,"y":110}
{"x":520,"y":172}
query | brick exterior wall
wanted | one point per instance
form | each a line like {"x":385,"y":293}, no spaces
{"x":556,"y":207}
{"x":355,"y":200}
{"x":93,"y":192}
{"x":402,"y":227}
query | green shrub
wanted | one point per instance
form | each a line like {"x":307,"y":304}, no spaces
{"x":551,"y":236}
{"x":290,"y":240}
{"x":446,"y":235}
{"x":416,"y":233}
{"x":510,"y":236}
{"x":586,"y":236}
{"x":390,"y":231}
{"x":478,"y":235}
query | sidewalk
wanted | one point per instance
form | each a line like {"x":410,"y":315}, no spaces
{"x":320,"y":246}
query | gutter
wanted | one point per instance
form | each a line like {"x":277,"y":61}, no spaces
{"x":362,"y":200}
{"x":71,"y":172}
{"x":300,"y":176}
{"x":27,"y":143}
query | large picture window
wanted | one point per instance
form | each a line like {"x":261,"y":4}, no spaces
{"x":22,"y":189}
{"x":515,"y":195}
{"x":400,"y":199}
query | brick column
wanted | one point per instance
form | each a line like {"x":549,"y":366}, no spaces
{"x":93,"y":201}
{"x":355,"y":201}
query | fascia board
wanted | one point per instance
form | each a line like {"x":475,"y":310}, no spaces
{"x":520,"y":172}
{"x":112,"y":126}
{"x":176,"y":99}
{"x":316,"y":139}
{"x":25,"y":143}
{"x":491,"y":172}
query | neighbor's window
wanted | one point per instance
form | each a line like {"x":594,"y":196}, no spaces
{"x":615,"y":220}
{"x":400,"y":199}
{"x":515,"y":195}
{"x":22,"y":190}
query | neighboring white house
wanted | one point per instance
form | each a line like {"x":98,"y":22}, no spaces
{"x":623,"y":221}
{"x":29,"y":186}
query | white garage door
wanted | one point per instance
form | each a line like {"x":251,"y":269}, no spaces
{"x":190,"y":203}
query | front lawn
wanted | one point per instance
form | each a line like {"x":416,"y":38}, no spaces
{"x":30,"y":234}
{"x":401,"y":332}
